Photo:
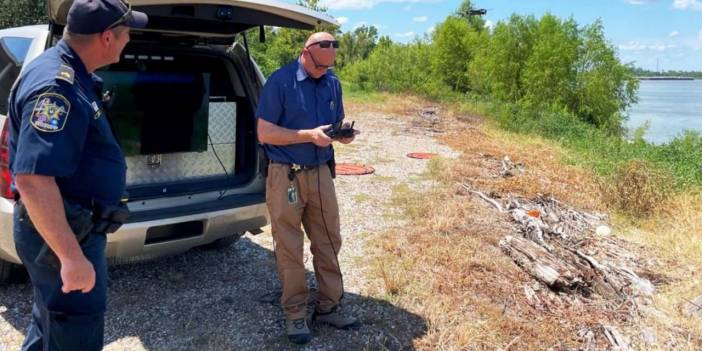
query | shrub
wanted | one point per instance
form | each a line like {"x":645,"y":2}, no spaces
{"x":637,"y":188}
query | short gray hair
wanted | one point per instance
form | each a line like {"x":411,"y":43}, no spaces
{"x":77,"y":39}
{"x":86,"y":39}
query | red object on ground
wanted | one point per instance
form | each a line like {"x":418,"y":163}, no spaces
{"x":353,"y":169}
{"x":421,"y":155}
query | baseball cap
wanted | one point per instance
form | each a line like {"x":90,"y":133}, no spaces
{"x":97,"y":16}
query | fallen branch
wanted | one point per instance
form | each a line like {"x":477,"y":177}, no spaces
{"x":484,"y":197}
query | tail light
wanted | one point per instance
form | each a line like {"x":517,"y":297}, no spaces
{"x":5,"y":176}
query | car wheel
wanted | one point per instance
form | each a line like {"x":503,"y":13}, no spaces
{"x":223,"y":242}
{"x":6,"y":271}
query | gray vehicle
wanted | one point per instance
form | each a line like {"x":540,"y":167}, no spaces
{"x":182,"y":107}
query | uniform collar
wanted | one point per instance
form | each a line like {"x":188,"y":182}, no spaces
{"x":301,"y":73}
{"x":73,"y":60}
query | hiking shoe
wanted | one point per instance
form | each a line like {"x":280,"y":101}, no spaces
{"x":298,"y":332}
{"x":338,"y":319}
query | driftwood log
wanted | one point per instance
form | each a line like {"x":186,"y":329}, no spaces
{"x":559,"y":246}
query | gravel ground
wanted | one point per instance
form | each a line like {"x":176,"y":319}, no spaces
{"x":227,"y":299}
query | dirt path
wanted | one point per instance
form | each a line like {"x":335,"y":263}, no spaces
{"x":226,"y":299}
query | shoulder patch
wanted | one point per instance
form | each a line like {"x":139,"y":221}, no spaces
{"x":50,"y":112}
{"x":66,"y":73}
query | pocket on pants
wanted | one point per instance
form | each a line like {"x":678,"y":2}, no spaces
{"x":68,"y":332}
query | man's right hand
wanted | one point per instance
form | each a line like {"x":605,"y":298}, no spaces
{"x":318,"y":137}
{"x":77,"y":274}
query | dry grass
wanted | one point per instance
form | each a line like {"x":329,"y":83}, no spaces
{"x":675,"y":234}
{"x":637,"y":189}
{"x":446,"y":265}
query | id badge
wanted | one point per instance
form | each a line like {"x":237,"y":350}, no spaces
{"x":292,"y":195}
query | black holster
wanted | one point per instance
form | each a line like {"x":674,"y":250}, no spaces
{"x":107,"y":219}
{"x":80,"y":220}
{"x":263,"y":162}
{"x":332,"y":164}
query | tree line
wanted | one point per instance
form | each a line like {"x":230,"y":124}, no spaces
{"x":534,"y":64}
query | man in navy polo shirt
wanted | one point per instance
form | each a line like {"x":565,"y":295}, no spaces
{"x":62,"y":150}
{"x":299,"y":102}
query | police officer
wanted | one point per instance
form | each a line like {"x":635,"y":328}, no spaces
{"x":62,"y":150}
{"x":298,"y":104}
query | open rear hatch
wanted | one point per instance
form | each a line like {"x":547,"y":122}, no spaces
{"x":212,"y":147}
{"x":211,"y":18}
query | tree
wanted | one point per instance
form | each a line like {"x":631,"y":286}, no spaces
{"x":16,"y":13}
{"x":464,"y":12}
{"x":356,"y":45}
{"x":284,"y":44}
{"x":605,"y":88}
{"x":549,"y":73}
{"x":454,"y":43}
{"x":498,"y":67}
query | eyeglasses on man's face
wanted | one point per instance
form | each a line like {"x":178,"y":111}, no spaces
{"x":326,"y":44}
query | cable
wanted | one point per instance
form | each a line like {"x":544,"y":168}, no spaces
{"x":326,"y":229}
{"x":214,"y":151}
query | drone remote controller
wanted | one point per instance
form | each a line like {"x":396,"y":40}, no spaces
{"x":341,"y":131}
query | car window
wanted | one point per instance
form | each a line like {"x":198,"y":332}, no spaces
{"x":16,"y":48}
{"x":13,"y":50}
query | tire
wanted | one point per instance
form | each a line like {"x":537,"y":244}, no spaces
{"x":6,"y":272}
{"x":223,"y":243}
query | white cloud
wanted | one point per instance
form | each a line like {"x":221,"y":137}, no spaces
{"x":640,"y":2}
{"x":405,"y":35}
{"x":365,"y":4}
{"x":699,"y":36}
{"x":431,"y":29}
{"x":655,"y":46}
{"x":688,"y":4}
{"x":674,"y":34}
{"x":407,"y":8}
{"x":342,"y":20}
{"x":490,"y":24}
{"x":420,"y":19}
{"x":632,"y":46}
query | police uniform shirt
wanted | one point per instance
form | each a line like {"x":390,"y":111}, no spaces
{"x":59,"y":129}
{"x":293,"y":100}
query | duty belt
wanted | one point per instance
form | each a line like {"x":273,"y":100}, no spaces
{"x":295,"y":168}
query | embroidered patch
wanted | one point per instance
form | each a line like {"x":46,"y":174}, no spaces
{"x":66,"y":73}
{"x":50,"y":112}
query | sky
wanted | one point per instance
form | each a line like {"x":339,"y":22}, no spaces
{"x":652,"y":34}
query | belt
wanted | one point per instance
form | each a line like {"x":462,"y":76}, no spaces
{"x":296,"y":166}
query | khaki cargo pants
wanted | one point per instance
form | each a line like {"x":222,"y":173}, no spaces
{"x":307,"y":210}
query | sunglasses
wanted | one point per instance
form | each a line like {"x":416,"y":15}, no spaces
{"x":125,"y":17}
{"x":326,"y":44}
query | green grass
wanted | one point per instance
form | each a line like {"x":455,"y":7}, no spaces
{"x":604,"y":153}
{"x":356,"y":95}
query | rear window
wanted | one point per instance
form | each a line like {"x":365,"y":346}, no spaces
{"x":13,"y":50}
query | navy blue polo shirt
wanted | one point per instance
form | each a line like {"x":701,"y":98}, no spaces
{"x":293,"y":100}
{"x":59,"y":129}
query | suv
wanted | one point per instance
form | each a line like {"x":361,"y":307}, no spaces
{"x":182,"y":107}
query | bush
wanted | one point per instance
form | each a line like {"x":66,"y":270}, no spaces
{"x":637,"y":189}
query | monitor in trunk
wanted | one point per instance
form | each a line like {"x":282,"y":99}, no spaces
{"x":158,"y":112}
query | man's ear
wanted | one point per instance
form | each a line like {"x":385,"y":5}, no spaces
{"x":106,"y":38}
